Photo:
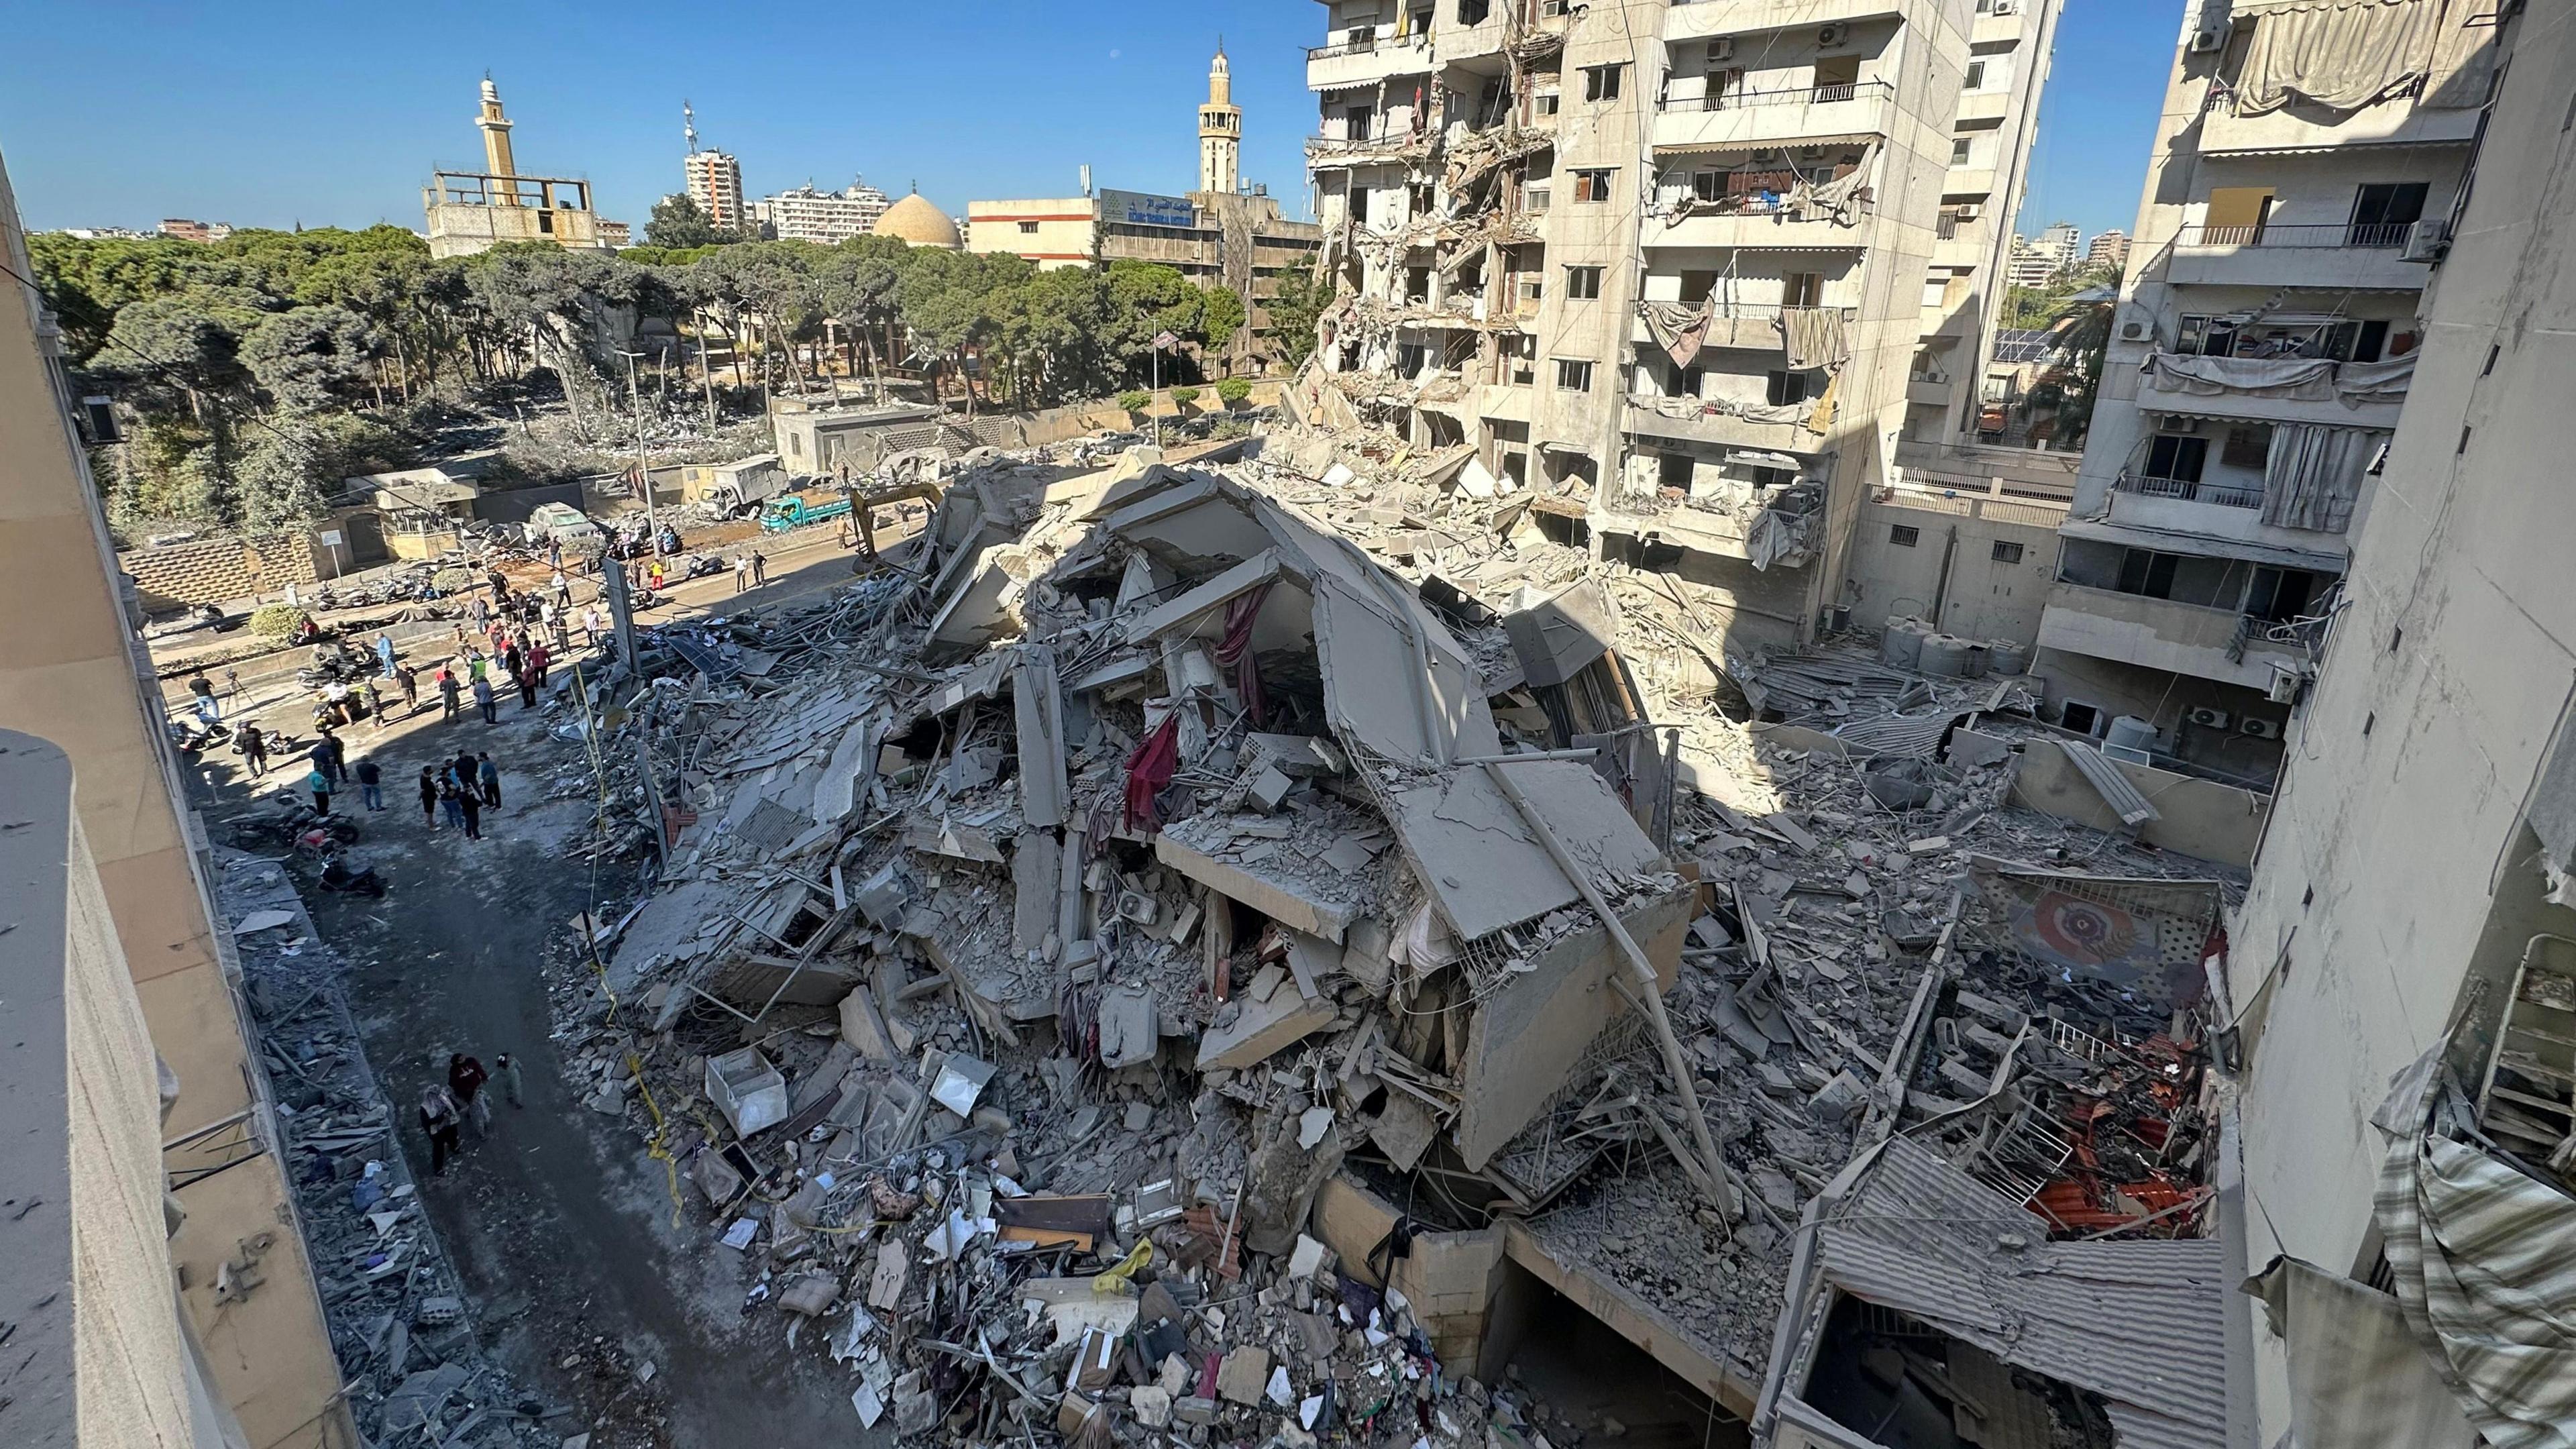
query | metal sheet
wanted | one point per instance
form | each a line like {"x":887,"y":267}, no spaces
{"x":2114,"y":787}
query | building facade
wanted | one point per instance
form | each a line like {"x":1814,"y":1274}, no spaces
{"x":2260,"y":355}
{"x":474,"y":211}
{"x":183,"y":229}
{"x":1674,"y":268}
{"x":2410,"y":895}
{"x":825,"y":217}
{"x":244,"y":1281}
{"x":2109,"y":249}
{"x":715,"y":184}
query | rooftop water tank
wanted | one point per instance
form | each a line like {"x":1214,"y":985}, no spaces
{"x":1902,"y":644}
{"x":1945,"y":656}
{"x":2128,"y":739}
{"x":2003,"y":656}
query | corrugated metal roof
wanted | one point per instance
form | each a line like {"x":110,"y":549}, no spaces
{"x":1917,"y":736}
{"x":2139,"y":1322}
{"x":2114,"y":787}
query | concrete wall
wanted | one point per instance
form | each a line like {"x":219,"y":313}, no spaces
{"x":218,"y":570}
{"x":1983,"y":596}
{"x":2397,"y":869}
{"x":82,"y":679}
{"x":99,"y":1355}
{"x":2199,"y":818}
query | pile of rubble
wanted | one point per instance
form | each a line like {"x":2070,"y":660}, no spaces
{"x":1044,"y":923}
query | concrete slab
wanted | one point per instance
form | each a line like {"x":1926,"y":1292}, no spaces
{"x":1486,"y":870}
{"x":1037,"y":703}
{"x":1262,"y":1029}
{"x":1275,"y":899}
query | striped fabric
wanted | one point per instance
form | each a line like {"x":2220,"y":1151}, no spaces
{"x":2485,"y":1264}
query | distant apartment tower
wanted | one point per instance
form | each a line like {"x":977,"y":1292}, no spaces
{"x":473,"y":211}
{"x":2259,"y":357}
{"x":615,"y":233}
{"x":715,"y":184}
{"x":196,"y":231}
{"x":1684,"y":271}
{"x":2062,"y":241}
{"x":806,"y":214}
{"x":2110,"y":249}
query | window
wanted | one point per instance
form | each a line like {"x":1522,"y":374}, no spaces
{"x":1687,"y":381}
{"x":1534,"y":198}
{"x":2007,"y":553}
{"x":2147,"y":573}
{"x":1573,"y":376}
{"x":1601,"y":82}
{"x":1359,"y":206}
{"x":1976,"y":75}
{"x":1802,"y":289}
{"x":1904,"y":535}
{"x":1673,"y":470}
{"x":1837,"y":77}
{"x":1593,"y":184}
{"x":1960,"y":150}
{"x":2236,"y":215}
{"x":1028,"y":228}
{"x":1697,"y":285}
{"x":1473,"y":12}
{"x":1786,"y":388}
{"x":1356,"y":122}
{"x":1546,"y":102}
{"x":1520,"y":367}
{"x":2384,"y":212}
{"x":2356,"y":341}
{"x":1707,"y":185}
{"x":2178,"y":458}
{"x":2246,"y":447}
{"x":1583,"y":283}
{"x":1419,"y":197}
{"x":2201,"y":336}
{"x":2280,"y":595}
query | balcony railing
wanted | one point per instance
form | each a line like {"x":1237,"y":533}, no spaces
{"x":1794,"y":95}
{"x":2378,"y":235}
{"x":1355,"y":145}
{"x":2148,"y":486}
{"x":1363,"y":45}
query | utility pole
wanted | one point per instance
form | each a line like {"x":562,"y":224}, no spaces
{"x":643,"y":474}
{"x":621,"y":608}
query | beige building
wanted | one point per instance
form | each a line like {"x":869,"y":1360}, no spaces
{"x":2410,"y":897}
{"x":474,"y":211}
{"x":2109,"y":249}
{"x":825,"y":217}
{"x":1667,"y":265}
{"x":715,"y":184}
{"x":243,"y":1280}
{"x":2260,"y":355}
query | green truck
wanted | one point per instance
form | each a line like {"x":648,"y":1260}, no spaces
{"x":795,"y":510}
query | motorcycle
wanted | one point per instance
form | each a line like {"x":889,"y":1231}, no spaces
{"x":699,"y":565}
{"x":191,"y":735}
{"x":344,"y":874}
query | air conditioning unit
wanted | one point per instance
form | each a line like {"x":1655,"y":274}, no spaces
{"x":2261,"y":729}
{"x":2006,"y":7}
{"x":2428,"y":241}
{"x":2177,"y":423}
{"x":2132,"y":331}
{"x":1722,"y":48}
{"x":2208,"y":38}
{"x":1834,"y":34}
{"x":2207,"y":718}
{"x":1970,"y":212}
{"x":2284,"y":689}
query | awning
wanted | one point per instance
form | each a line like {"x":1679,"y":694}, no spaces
{"x":1798,"y":143}
{"x":2127,"y":536}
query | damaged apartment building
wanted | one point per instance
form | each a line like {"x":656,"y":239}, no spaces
{"x":1283,"y":949}
{"x":1685,"y":272}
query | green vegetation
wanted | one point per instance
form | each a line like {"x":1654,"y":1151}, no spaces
{"x":260,"y":372}
{"x":1135,"y":400}
{"x":1234,"y":390}
{"x":1184,"y":396}
{"x":274,"y":621}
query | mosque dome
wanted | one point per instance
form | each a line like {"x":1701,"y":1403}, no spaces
{"x":916,"y":221}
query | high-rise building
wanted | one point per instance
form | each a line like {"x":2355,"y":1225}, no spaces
{"x":472,"y":211}
{"x":142,"y":1213}
{"x":2410,"y":904}
{"x":1675,"y":286}
{"x":806,"y":214}
{"x":715,"y":184}
{"x":1220,"y":131}
{"x":2109,"y":249}
{"x":2258,"y":362}
{"x":185,"y":229}
{"x":2062,"y":241}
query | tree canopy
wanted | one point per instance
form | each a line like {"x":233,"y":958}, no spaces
{"x":261,"y":369}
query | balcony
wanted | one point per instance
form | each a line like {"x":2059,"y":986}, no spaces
{"x":1983,"y":106}
{"x":1740,"y":17}
{"x":1754,"y":224}
{"x":2277,"y":390}
{"x":1939,"y":322}
{"x":1789,"y":117}
{"x":1721,"y":429}
{"x":1385,"y":148}
{"x":1468,"y":44}
{"x":2188,"y":490}
{"x":1366,"y":60}
{"x":1965,"y":251}
{"x":2214,"y":644}
{"x":1993,"y":32}
{"x":2331,"y":255}
{"x":1752,"y":326}
{"x":1929,"y":391}
{"x":2400,"y":122}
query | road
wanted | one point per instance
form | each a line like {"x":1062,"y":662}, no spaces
{"x":559,"y":1207}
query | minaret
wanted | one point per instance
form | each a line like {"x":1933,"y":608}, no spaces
{"x":496,"y":141}
{"x":1220,"y":131}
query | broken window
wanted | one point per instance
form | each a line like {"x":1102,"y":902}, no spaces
{"x":1593,"y":183}
{"x":1673,"y":470}
{"x":1583,"y":283}
{"x":1419,"y":195}
{"x":1837,"y":78}
{"x":1802,"y":289}
{"x":2384,"y":212}
{"x":2249,"y":446}
{"x":1357,"y":122}
{"x":1573,"y":375}
{"x":2178,"y":458}
{"x":2280,"y":595}
{"x":1789,"y":386}
{"x":1473,"y":12}
{"x":2147,"y":573}
{"x":1601,"y":82}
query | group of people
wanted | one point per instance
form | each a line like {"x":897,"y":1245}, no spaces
{"x":332,"y":769}
{"x":750,"y":570}
{"x":460,"y":789}
{"x":444,"y":1110}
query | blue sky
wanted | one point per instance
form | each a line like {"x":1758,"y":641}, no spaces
{"x":266,"y":114}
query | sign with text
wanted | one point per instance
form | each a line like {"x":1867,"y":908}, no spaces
{"x":1140,"y":208}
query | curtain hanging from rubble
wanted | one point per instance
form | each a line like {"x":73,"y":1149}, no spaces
{"x":2302,"y":379}
{"x":2340,"y":54}
{"x":1234,"y":651}
{"x":1678,"y":327}
{"x":1812,"y":337}
{"x":2312,"y":476}
{"x":1150,"y":769}
{"x":2369,"y":382}
{"x":2480,"y":1254}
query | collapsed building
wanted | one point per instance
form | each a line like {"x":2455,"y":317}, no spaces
{"x":1189,"y":951}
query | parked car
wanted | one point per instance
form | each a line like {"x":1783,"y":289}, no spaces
{"x":560,"y":523}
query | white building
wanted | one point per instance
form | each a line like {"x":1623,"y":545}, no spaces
{"x":2259,"y":357}
{"x":715,"y":184}
{"x":806,"y":214}
{"x":2410,"y":891}
{"x":1687,"y":271}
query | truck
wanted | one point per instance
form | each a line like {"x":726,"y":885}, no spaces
{"x":736,"y":488}
{"x":795,"y":510}
{"x":560,"y":523}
